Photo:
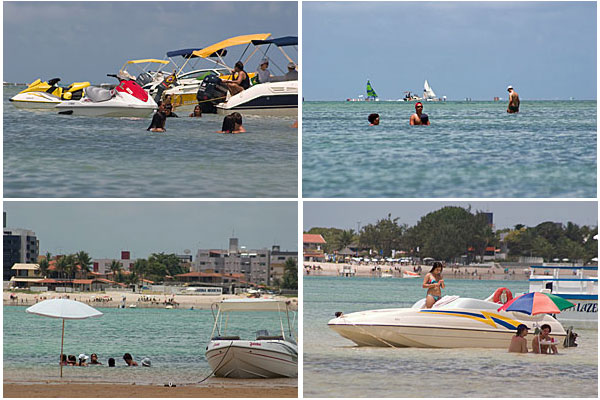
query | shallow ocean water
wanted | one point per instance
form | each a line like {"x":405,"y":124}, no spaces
{"x":472,"y":149}
{"x":174,"y":340}
{"x":51,"y":155}
{"x":336,"y":367}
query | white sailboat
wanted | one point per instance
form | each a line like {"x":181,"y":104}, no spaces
{"x":428,"y":93}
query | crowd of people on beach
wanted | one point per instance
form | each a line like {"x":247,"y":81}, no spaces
{"x":83,"y":361}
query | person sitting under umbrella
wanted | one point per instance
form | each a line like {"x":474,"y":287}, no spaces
{"x":542,"y":343}
{"x":518,"y":343}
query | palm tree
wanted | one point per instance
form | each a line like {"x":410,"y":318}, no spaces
{"x":44,"y":265}
{"x":115,"y":267}
{"x":70,"y":267}
{"x":61,"y":266}
{"x":84,"y":261}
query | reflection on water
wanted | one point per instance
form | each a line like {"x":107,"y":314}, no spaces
{"x":335,"y":367}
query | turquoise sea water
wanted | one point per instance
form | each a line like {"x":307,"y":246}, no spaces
{"x":175,"y":341}
{"x":472,"y":149}
{"x":50,"y":155}
{"x":335,"y":367}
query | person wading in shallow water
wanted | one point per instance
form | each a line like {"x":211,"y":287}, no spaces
{"x":513,"y":101}
{"x":415,"y":119}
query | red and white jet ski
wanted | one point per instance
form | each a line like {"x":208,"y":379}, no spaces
{"x":127,"y":99}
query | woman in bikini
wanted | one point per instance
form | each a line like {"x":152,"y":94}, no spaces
{"x":434,"y":283}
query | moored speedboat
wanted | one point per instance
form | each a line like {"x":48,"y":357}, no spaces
{"x":277,"y":97}
{"x":127,"y":99}
{"x":572,"y":284}
{"x":47,"y":95}
{"x":453,"y":322}
{"x":266,"y":356}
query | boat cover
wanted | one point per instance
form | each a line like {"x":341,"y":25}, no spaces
{"x":189,"y":53}
{"x":234,"y":41}
{"x":281,"y":42}
{"x":98,"y":94}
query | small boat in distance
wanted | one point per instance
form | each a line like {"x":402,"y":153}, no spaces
{"x":371,"y":95}
{"x":429,"y":94}
{"x":268,"y":355}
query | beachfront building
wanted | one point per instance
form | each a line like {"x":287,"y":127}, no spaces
{"x":254,"y":265}
{"x":278,"y":260}
{"x":312,"y":249}
{"x":102,"y":265}
{"x":20,"y":246}
{"x":25,"y":275}
{"x":226,"y":282}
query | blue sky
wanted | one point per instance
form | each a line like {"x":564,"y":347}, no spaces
{"x":83,"y":41}
{"x":507,"y":214}
{"x":546,"y":50}
{"x":103,"y":229}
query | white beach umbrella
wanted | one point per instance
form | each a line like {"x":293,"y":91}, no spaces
{"x":63,"y":309}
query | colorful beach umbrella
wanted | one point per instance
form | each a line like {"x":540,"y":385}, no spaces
{"x":537,"y":303}
{"x":63,"y":309}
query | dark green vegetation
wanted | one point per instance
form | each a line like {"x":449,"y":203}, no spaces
{"x":452,"y":232}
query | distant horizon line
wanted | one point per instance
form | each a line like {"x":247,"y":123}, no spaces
{"x":447,"y":100}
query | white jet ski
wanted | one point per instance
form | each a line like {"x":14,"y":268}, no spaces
{"x":127,"y":99}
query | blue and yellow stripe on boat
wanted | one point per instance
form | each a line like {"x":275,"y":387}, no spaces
{"x":491,"y":319}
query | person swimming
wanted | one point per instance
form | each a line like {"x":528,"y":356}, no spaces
{"x":373,"y":119}
{"x":434,"y":283}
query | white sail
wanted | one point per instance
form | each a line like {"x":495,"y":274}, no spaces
{"x":428,"y":92}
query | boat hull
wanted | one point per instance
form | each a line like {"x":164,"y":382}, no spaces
{"x":243,"y":359}
{"x":272,"y":98}
{"x":104,"y":110}
{"x":35,"y":101}
{"x":431,"y":328}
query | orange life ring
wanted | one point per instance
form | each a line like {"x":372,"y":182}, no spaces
{"x":498,"y":295}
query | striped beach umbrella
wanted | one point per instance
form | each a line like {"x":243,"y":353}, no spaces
{"x":537,"y":303}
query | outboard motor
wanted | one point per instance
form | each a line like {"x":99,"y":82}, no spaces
{"x":210,"y":93}
{"x":143,"y":79}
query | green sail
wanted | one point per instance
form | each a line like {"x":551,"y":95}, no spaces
{"x":370,"y":91}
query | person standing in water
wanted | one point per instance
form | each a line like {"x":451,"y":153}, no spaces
{"x":415,"y":119}
{"x":513,"y":101}
{"x":434,"y":283}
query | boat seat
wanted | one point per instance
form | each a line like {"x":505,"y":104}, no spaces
{"x":226,"y":338}
{"x":269,"y":338}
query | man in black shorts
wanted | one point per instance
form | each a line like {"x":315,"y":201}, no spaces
{"x":513,"y":101}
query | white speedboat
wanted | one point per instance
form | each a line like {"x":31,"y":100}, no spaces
{"x":277,"y":97}
{"x":572,"y":284}
{"x":47,"y":95}
{"x":264,"y":356}
{"x":452,"y":322}
{"x":127,"y":99}
{"x":271,"y":98}
{"x":410,"y":274}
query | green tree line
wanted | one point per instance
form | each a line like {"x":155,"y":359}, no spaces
{"x":451,"y":232}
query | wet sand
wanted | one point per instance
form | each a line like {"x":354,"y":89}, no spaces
{"x":142,"y":391}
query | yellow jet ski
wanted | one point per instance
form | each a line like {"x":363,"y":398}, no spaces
{"x":47,"y":95}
